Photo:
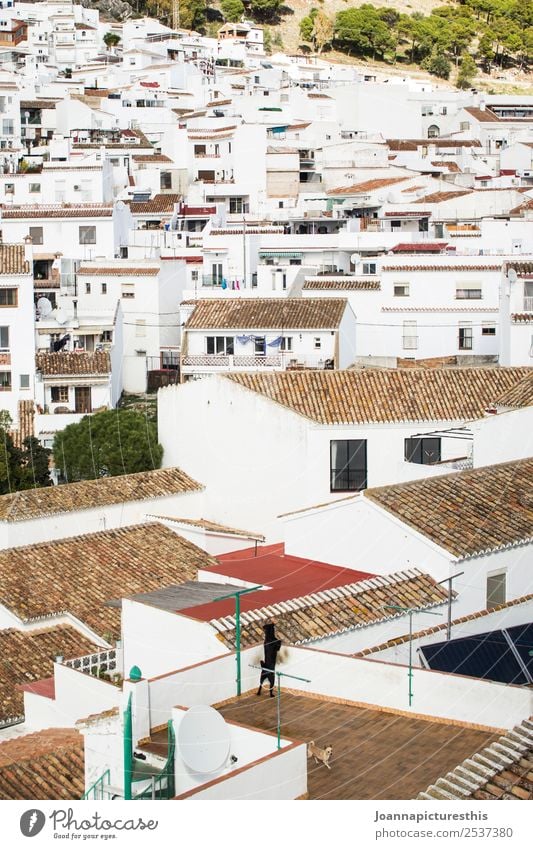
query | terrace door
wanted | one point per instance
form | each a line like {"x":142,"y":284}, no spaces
{"x":82,"y":395}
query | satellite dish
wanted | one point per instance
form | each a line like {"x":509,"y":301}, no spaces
{"x":44,"y":307}
{"x":355,"y":259}
{"x":512,"y":276}
{"x":60,"y":317}
{"x":203,"y":739}
{"x":391,"y":197}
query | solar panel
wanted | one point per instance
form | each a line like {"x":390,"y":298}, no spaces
{"x":492,"y":655}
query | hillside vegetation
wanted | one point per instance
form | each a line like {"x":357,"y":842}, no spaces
{"x":467,"y":35}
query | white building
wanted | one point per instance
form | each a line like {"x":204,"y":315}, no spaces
{"x":17,"y":319}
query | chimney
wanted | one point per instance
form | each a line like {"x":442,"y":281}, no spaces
{"x":28,"y":250}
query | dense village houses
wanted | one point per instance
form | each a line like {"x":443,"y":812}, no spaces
{"x":311,"y":285}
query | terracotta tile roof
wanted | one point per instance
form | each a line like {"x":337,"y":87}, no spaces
{"x":437,"y":197}
{"x":485,"y":116}
{"x":467,"y":513}
{"x":118,"y":270}
{"x":341,"y":609}
{"x":520,"y":395}
{"x":426,"y":632}
{"x":65,"y":210}
{"x":156,"y":157}
{"x":39,"y":104}
{"x":28,"y":656}
{"x":413,"y":144}
{"x":503,"y":770}
{"x":449,"y":165}
{"x":432,"y":268}
{"x":85,"y":495}
{"x":80,"y":574}
{"x":71,"y":362}
{"x":268,"y":313}
{"x":384,"y":395}
{"x":419,"y":248}
{"x":12,"y":260}
{"x":215,"y":527}
{"x":522,"y":317}
{"x":157,"y":204}
{"x":367,"y":186}
{"x":523,"y":207}
{"x":46,"y":765}
{"x":408,"y":213}
{"x":342,"y":284}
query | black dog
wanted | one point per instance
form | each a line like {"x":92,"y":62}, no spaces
{"x":272,"y":647}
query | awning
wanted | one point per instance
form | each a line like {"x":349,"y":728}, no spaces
{"x":289,"y":254}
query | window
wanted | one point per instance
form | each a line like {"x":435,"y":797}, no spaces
{"x":104,"y":288}
{"x":236,"y":205}
{"x":5,"y":381}
{"x":59,"y":394}
{"x":369,"y":268}
{"x":259,"y":346}
{"x":195,"y":275}
{"x":140,"y":327}
{"x":87,"y":235}
{"x":433,"y":131}
{"x":219,"y":345}
{"x":7,"y":127}
{"x":8,"y":297}
{"x":165,"y":180}
{"x":401,"y":290}
{"x":348,"y":470}
{"x":24,"y":381}
{"x":4,"y":338}
{"x":35,"y":188}
{"x":286,"y":343}
{"x":128,"y":293}
{"x":488,"y":330}
{"x":295,"y":262}
{"x":465,"y":337}
{"x":200,"y":150}
{"x":424,"y":450}
{"x":410,"y":337}
{"x":468,"y":293}
{"x":496,"y":589}
{"x":9,"y":188}
{"x":36,"y":234}
{"x":395,"y":224}
{"x":464,"y":126}
{"x":317,"y":343}
{"x":87,"y":287}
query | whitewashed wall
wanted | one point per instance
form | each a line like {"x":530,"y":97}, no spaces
{"x":503,"y":438}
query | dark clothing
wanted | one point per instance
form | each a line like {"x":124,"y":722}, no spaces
{"x":272,"y":646}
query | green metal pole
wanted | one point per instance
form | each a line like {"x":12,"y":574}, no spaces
{"x":238,"y":640}
{"x":128,"y":747}
{"x":278,"y":699}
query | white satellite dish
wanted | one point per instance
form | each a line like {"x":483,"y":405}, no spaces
{"x":60,"y":317}
{"x":203,"y":739}
{"x":355,"y":259}
{"x":44,"y":307}
{"x":512,"y":276}
{"x":391,"y":197}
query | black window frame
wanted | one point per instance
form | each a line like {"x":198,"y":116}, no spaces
{"x":352,"y":476}
{"x":415,"y":450}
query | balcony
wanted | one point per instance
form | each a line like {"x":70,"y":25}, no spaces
{"x":528,"y":303}
{"x":228,"y":361}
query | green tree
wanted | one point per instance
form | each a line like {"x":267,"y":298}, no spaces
{"x":111,"y":39}
{"x":363,"y":31}
{"x":267,"y":40}
{"x":114,"y":442}
{"x":306,"y":27}
{"x":21,"y":468}
{"x":437,"y":64}
{"x":322,"y":31}
{"x":265,"y":10}
{"x":466,"y":73}
{"x":232,"y":10}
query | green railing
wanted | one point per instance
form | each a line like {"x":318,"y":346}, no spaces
{"x":96,"y":790}
{"x":162,"y":784}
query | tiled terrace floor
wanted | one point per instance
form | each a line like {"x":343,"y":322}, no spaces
{"x":376,"y":755}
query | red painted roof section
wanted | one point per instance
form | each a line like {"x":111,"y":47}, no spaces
{"x":45,"y":687}
{"x":419,"y":247}
{"x":288,"y":576}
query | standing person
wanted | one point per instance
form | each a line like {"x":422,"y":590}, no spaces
{"x":272,"y":646}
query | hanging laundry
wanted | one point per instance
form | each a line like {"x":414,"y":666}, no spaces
{"x":224,"y":284}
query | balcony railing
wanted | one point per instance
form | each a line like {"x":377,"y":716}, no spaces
{"x":106,"y":662}
{"x":230,"y":361}
{"x":528,"y":303}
